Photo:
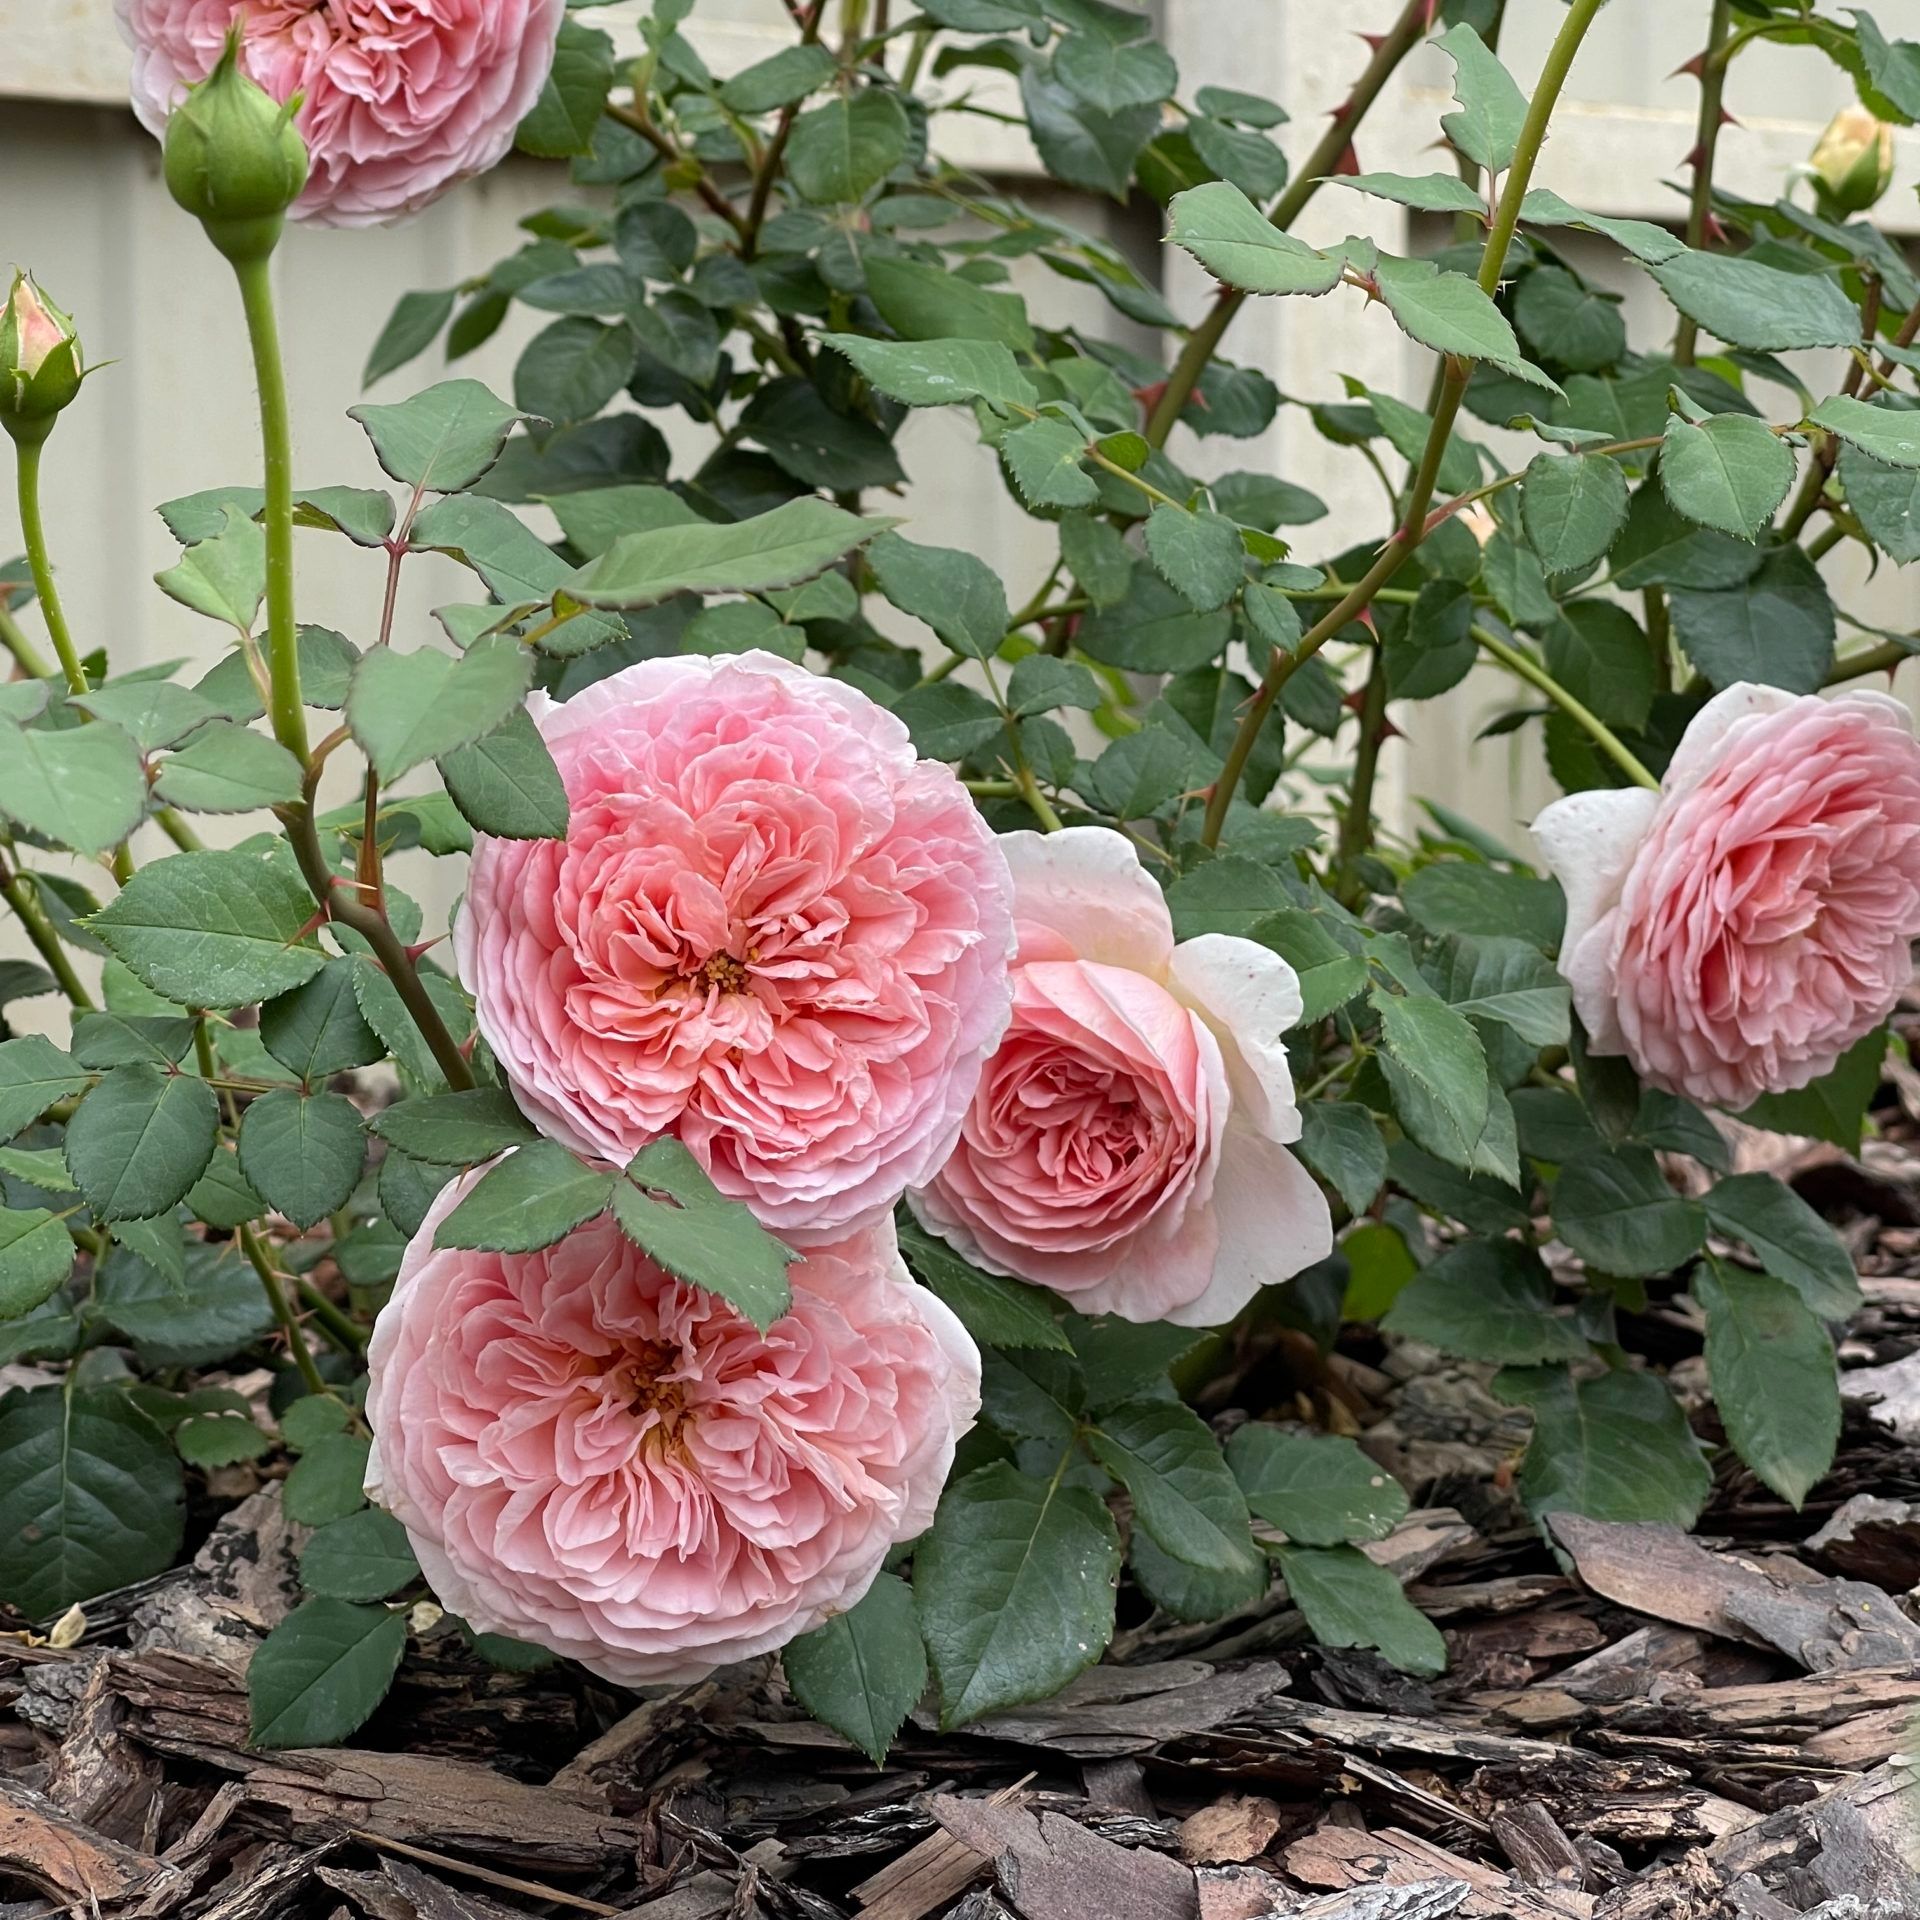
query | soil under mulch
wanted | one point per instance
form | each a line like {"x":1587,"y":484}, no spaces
{"x":1635,"y":1725}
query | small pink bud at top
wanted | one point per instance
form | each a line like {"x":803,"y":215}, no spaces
{"x":1852,"y":162}
{"x":39,"y":331}
{"x":40,"y":370}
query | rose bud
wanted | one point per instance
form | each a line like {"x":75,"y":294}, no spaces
{"x":1852,"y":163}
{"x":40,"y":369}
{"x":234,"y":159}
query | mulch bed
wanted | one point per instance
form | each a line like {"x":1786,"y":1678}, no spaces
{"x":1635,"y":1725}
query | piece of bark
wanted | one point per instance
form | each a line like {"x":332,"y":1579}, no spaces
{"x":1890,"y":1394}
{"x":1242,"y":1893}
{"x":243,"y":1582}
{"x":1338,"y":1857}
{"x":270,"y":1885}
{"x":1536,"y":1847}
{"x":1856,"y":1839}
{"x":1230,"y":1832}
{"x":103,"y":1779}
{"x":1052,"y":1868}
{"x":926,"y":1876}
{"x":1869,"y":1538}
{"x":1690,"y":1889}
{"x":708,"y":1895}
{"x":44,"y":1845}
{"x":1420,"y":1900}
{"x":1119,"y":1786}
{"x":1822,"y":1624}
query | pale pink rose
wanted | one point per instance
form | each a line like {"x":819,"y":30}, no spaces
{"x":770,"y":930}
{"x":402,"y":97}
{"x":594,"y":1457}
{"x":1126,"y":1146}
{"x":1734,"y":933}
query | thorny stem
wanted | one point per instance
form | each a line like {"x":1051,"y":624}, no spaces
{"x":1204,"y":341}
{"x":1881,"y":659}
{"x":1414,"y":524}
{"x":28,"y":469}
{"x":769,"y":166}
{"x":1537,"y":676}
{"x":272,"y":1284}
{"x":20,"y":896}
{"x":1356,"y":828}
{"x":635,"y":117}
{"x":1713,"y":74}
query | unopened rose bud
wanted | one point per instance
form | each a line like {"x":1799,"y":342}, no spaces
{"x":40,"y":370}
{"x":234,"y":158}
{"x":1852,"y":163}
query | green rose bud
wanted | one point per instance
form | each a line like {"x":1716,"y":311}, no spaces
{"x":234,"y":159}
{"x":1852,"y":163}
{"x":40,"y":369}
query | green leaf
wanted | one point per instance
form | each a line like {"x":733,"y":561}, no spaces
{"x":506,"y":784}
{"x":155,"y":713}
{"x":1430,"y":648}
{"x":213,"y":929}
{"x":225,"y":768}
{"x":1772,"y":1368}
{"x":220,"y":1311}
{"x":1660,"y":548}
{"x":780,"y":80}
{"x":328,"y":1481}
{"x":90,"y":1497}
{"x":1137,"y":775}
{"x":1040,"y":684}
{"x":1341,"y":1142}
{"x":36,"y":1256}
{"x":1833,"y":1107}
{"x":1891,"y":437}
{"x":1486,"y":129}
{"x":947,"y":721}
{"x":412,"y":327}
{"x":562,"y":121}
{"x":408,"y":708}
{"x":1567,"y":322}
{"x":361,"y":1556}
{"x":1429,"y":192}
{"x":225,"y":577}
{"x":1777,"y":629}
{"x":326,"y":661}
{"x":302,"y":1152}
{"x":1616,"y":1211}
{"x":1765,"y":309}
{"x":1153,"y":630}
{"x":1235,"y":242}
{"x":1730,"y":472}
{"x":1349,"y":1601}
{"x":1189,"y":1593}
{"x":1109,"y":76}
{"x":863,"y":1671}
{"x":140,"y":1139}
{"x":957,"y":594}
{"x":1614,"y":1448}
{"x":442,"y":440}
{"x":996,"y":1312}
{"x":1644,"y":241}
{"x":1449,"y":313}
{"x":668,"y":1207}
{"x":1443,"y":1054}
{"x":220,"y":1198}
{"x":815,"y":442}
{"x":1494,"y":978}
{"x":1887,"y":502}
{"x":454,"y":1129}
{"x":1079,"y":144}
{"x":1199,"y":555}
{"x":1794,"y":1243}
{"x":937,"y":373}
{"x":311,"y":1418}
{"x":1573,"y":505}
{"x":34,"y":1073}
{"x":778,"y":549}
{"x":317,"y":1030}
{"x":321,"y":1672}
{"x":1044,"y":458}
{"x":1602,"y":658}
{"x":1486,"y":1300}
{"x":928,"y":303}
{"x":1166,"y":1457}
{"x":535,"y":1196}
{"x":80,"y":786}
{"x":838,"y":152}
{"x":207,"y":1440}
{"x":1249,"y":160}
{"x":1318,"y":1489}
{"x":1014,"y":1584}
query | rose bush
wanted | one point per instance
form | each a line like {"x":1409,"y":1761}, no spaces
{"x":810,"y":873}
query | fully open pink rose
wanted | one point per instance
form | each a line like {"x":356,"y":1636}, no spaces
{"x":592,"y":1456}
{"x":1734,"y":933}
{"x":1126,"y":1145}
{"x":402,"y":97}
{"x":770,"y":930}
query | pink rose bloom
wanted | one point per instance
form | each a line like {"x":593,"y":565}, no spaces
{"x":1126,"y":1146}
{"x":592,"y":1456}
{"x":1734,"y":933}
{"x":770,"y":930}
{"x":403,"y":97}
